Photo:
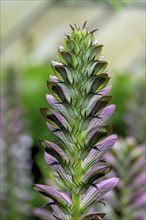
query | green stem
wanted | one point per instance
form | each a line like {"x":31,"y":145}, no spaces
{"x":75,"y":196}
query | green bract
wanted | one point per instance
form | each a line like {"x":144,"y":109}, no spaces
{"x":79,"y":106}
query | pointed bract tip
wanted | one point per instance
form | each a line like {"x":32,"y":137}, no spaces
{"x":84,"y":25}
{"x":71,"y":27}
{"x":93,"y":31}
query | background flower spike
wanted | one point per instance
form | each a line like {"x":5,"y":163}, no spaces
{"x":79,"y":106}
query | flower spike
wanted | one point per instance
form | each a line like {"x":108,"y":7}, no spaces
{"x":79,"y":106}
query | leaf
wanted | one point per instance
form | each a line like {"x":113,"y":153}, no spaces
{"x":92,"y":176}
{"x":55,"y":66}
{"x":100,"y":67}
{"x":94,"y":137}
{"x":54,"y":118}
{"x":65,"y":179}
{"x":99,"y":82}
{"x":59,"y":91}
{"x":63,"y":72}
{"x":53,"y":150}
{"x":70,"y":45}
{"x":100,"y":105}
{"x":68,"y":57}
{"x":95,"y":105}
{"x":56,"y":152}
{"x":97,"y":135}
{"x":89,"y":40}
{"x":95,"y":52}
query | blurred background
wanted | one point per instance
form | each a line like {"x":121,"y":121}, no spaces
{"x":31,"y":32}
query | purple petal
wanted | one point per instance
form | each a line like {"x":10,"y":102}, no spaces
{"x":100,"y":58}
{"x":43,"y":213}
{"x":107,"y":143}
{"x":59,"y":117}
{"x":94,"y":124}
{"x":53,"y":192}
{"x":54,"y":63}
{"x":53,"y":79}
{"x":65,"y":91}
{"x":49,"y":159}
{"x":107,"y":185}
{"x":140,"y":201}
{"x":107,"y":112}
{"x":141,"y":179}
{"x":67,"y":35}
{"x":56,"y":148}
{"x":51,"y":100}
{"x":51,"y":127}
{"x":92,"y":133}
{"x":105,"y":91}
{"x":142,"y":161}
{"x":92,"y":102}
{"x":105,"y":71}
{"x":66,"y":197}
{"x":104,"y":145}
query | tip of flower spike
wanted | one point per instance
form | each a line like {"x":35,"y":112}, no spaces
{"x":78,"y":28}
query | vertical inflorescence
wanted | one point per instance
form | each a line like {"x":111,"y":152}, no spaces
{"x":79,"y":108}
{"x":15,"y":178}
{"x":128,"y":199}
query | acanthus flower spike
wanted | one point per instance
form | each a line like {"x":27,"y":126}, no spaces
{"x":79,"y":106}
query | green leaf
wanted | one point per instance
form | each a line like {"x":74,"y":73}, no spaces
{"x":71,"y":45}
{"x":95,"y":52}
{"x":68,"y":58}
{"x":92,"y":177}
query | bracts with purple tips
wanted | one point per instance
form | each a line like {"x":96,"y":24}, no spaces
{"x":79,"y":105}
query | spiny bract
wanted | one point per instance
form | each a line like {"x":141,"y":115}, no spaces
{"x":79,"y":107}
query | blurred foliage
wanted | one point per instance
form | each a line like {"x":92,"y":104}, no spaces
{"x":128,"y":94}
{"x":135,"y":115}
{"x":122,"y":90}
{"x":114,"y":4}
{"x":16,"y":192}
{"x":34,"y":91}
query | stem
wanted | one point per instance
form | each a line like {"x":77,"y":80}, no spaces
{"x":76,"y":196}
